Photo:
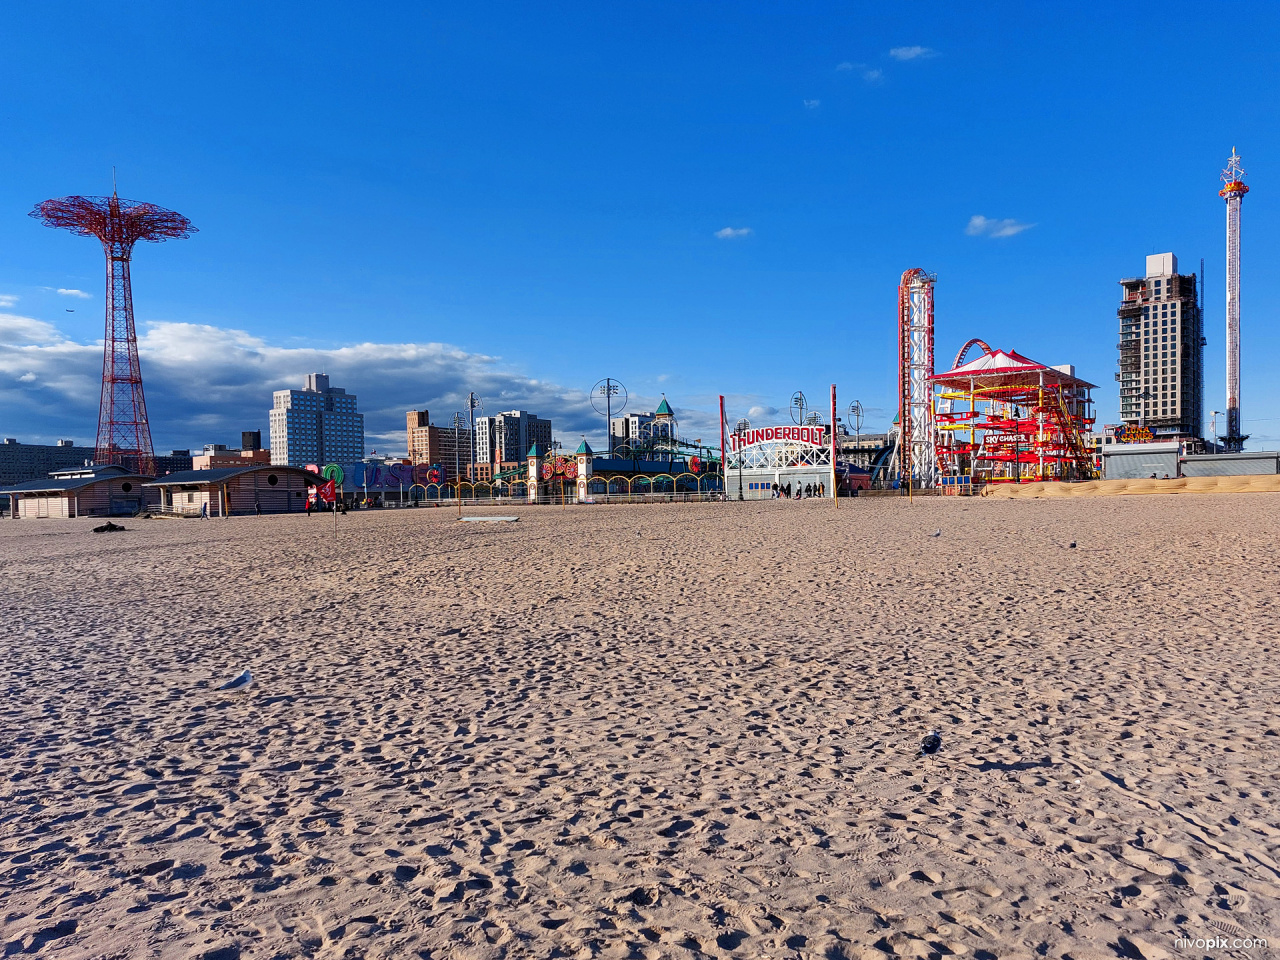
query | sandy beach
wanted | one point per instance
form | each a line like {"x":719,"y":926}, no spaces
{"x":662,"y":731}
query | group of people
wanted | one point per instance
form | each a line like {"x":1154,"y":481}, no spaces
{"x":801,"y":493}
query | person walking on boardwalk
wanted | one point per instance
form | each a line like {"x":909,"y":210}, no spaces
{"x":204,"y":510}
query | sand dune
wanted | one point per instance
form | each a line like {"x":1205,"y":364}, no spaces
{"x":558,"y":738}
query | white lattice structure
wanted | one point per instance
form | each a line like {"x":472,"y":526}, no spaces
{"x":916,"y":455}
{"x":1233,"y":192}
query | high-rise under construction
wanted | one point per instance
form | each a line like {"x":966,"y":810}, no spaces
{"x":1162,"y":351}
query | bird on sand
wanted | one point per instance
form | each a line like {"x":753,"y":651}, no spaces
{"x":1072,"y":545}
{"x":936,"y":533}
{"x":240,"y":682}
{"x":931,"y":744}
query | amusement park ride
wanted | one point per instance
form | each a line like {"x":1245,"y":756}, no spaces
{"x":999,"y":418}
{"x":1003,"y":418}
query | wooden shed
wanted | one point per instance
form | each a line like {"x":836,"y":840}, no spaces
{"x":235,"y":490}
{"x":97,"y":491}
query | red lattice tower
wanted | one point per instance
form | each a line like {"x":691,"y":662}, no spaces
{"x":124,"y":435}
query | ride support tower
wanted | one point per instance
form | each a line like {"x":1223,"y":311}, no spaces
{"x":1233,"y":192}
{"x":124,"y":433}
{"x":915,"y":457}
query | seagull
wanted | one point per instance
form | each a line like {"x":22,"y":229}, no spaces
{"x":936,"y":533}
{"x":1072,"y":544}
{"x":931,"y":744}
{"x":69,"y":310}
{"x":240,"y":682}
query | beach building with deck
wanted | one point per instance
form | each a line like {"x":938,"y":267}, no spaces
{"x":93,"y":491}
{"x":275,"y":488}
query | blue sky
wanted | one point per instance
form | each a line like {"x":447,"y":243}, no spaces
{"x":521,"y":199}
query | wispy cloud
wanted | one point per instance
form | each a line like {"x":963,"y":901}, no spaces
{"x":8,"y":299}
{"x":980,"y":226}
{"x":733,"y":233}
{"x":912,"y":53}
{"x":866,"y":72}
{"x":812,"y":104}
{"x":75,"y":293}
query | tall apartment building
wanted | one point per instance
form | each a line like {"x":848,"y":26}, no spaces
{"x":447,"y":446}
{"x":318,"y":424}
{"x":507,"y":437}
{"x":1162,"y":351}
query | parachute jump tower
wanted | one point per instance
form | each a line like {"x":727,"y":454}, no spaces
{"x":124,"y":434}
{"x":915,"y":456}
{"x":1233,"y":192}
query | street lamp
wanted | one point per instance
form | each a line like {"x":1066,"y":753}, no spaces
{"x":458,"y":421}
{"x":1144,"y":396}
{"x":739,"y":431}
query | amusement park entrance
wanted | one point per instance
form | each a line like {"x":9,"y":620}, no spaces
{"x":759,"y":458}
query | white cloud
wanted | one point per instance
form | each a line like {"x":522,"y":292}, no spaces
{"x":812,"y":104}
{"x":912,"y":53}
{"x":75,"y":293}
{"x":8,"y":299}
{"x":866,"y":72}
{"x":204,"y":384}
{"x":26,"y":330}
{"x":980,"y":226}
{"x":733,"y":233}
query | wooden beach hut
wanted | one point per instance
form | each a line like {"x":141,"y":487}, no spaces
{"x":96,"y":491}
{"x":235,"y":490}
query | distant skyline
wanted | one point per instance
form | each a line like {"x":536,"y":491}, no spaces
{"x":422,"y":201}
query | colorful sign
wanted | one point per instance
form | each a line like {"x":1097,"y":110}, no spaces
{"x":811,"y":436}
{"x":1131,"y":434}
{"x":565,"y":467}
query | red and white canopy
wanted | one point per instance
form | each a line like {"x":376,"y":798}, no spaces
{"x":997,"y":368}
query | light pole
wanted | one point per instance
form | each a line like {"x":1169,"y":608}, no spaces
{"x":739,"y":431}
{"x":1213,"y":428}
{"x":855,"y":414}
{"x":607,"y":389}
{"x":458,"y":421}
{"x":1144,"y":396}
{"x":473,"y":403}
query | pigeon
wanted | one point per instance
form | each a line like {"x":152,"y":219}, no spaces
{"x":240,"y":682}
{"x":931,"y":744}
{"x":936,"y":533}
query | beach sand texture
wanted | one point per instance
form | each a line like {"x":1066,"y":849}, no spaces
{"x":665,"y":731}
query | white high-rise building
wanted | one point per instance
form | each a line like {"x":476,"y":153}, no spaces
{"x":1162,"y":351}
{"x":318,"y":424}
{"x":507,"y":437}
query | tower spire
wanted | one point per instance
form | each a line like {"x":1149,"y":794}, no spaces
{"x":1233,"y":192}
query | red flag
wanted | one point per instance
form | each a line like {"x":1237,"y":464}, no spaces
{"x":328,"y":491}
